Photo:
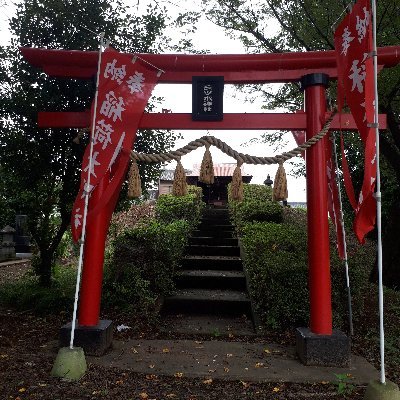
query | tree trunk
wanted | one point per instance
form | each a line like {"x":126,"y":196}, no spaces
{"x":43,"y":267}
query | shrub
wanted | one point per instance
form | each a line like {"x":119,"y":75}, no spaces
{"x":141,"y":264}
{"x":124,"y":220}
{"x":257,"y":205}
{"x":170,"y":208}
{"x":28,"y":294}
{"x":276,"y":264}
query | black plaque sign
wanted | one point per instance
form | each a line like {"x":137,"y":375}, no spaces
{"x":207,"y":98}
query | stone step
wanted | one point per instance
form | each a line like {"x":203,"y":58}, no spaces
{"x":212,"y":241}
{"x":209,"y":232}
{"x":212,"y":262}
{"x":213,"y":250}
{"x":212,"y":279}
{"x":215,"y":227}
{"x":212,"y":325}
{"x":214,"y":302}
{"x":217,"y":220}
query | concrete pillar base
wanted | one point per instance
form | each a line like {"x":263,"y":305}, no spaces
{"x":70,"y":364}
{"x":379,"y":391}
{"x":95,"y":340}
{"x":323,"y":350}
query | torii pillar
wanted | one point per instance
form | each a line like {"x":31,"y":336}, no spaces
{"x":319,"y":344}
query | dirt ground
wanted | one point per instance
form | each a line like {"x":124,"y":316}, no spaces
{"x":27,"y":356}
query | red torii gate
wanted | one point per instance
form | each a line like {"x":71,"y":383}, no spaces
{"x":311,"y":69}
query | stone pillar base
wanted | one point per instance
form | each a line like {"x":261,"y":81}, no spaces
{"x":95,"y":340}
{"x":323,"y":350}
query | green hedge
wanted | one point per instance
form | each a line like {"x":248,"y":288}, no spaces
{"x":257,"y":205}
{"x":171,"y":208}
{"x":276,"y":265}
{"x":141,"y":265}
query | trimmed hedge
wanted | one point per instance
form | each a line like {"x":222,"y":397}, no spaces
{"x":171,"y":208}
{"x":276,"y":264}
{"x":257,"y":205}
{"x":142,"y":263}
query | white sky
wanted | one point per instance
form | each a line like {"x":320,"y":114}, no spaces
{"x":178,"y":99}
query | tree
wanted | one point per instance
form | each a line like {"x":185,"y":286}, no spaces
{"x":43,"y":165}
{"x":306,"y":25}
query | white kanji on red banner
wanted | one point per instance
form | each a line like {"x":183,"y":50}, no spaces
{"x":356,"y":83}
{"x":124,"y":88}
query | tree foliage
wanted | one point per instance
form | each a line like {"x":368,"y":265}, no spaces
{"x":42,"y":166}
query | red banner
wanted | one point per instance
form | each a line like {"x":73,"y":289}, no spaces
{"x":124,"y":88}
{"x":353,"y":44}
{"x":333,"y":200}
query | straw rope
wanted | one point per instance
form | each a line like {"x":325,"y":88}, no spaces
{"x":245,"y":158}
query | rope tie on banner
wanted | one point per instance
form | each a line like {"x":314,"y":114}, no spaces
{"x":245,"y":158}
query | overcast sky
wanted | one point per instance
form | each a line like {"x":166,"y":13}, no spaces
{"x":178,"y":99}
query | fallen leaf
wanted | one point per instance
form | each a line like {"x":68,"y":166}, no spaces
{"x":120,"y":382}
{"x":226,"y":369}
{"x":151,"y":377}
{"x":45,"y":384}
{"x":178,"y":374}
{"x":165,"y":350}
{"x":22,"y":390}
{"x":259,"y":365}
{"x":208,"y":381}
{"x":276,"y":389}
{"x":144,"y":395}
{"x":267,"y":351}
{"x":325,"y":382}
{"x":134,"y":351}
{"x":171,"y":395}
{"x":229,"y":355}
{"x":245,"y":384}
{"x":4,"y":355}
{"x":231,"y":336}
{"x":151,"y":366}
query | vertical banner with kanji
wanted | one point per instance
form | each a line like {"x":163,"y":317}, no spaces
{"x":353,"y":45}
{"x":124,"y":88}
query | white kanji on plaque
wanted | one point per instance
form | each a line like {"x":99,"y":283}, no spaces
{"x":103,"y":133}
{"x":347,"y":38}
{"x":207,"y":90}
{"x":357,"y":76}
{"x":94,"y":163}
{"x":135,"y":82}
{"x":117,"y":74}
{"x":112,"y":107}
{"x":362,"y":25}
{"x":77,"y":218}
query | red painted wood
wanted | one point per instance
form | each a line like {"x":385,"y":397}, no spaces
{"x":273,"y":121}
{"x":237,"y":68}
{"x":317,"y":216}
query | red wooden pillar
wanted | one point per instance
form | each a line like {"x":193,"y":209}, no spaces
{"x":92,"y":274}
{"x":317,"y":207}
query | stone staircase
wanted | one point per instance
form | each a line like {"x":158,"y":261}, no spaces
{"x":212,"y":285}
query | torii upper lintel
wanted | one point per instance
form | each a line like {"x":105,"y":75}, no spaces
{"x":179,"y":68}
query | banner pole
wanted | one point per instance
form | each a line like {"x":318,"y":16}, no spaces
{"x":86,"y":192}
{"x":378,"y":197}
